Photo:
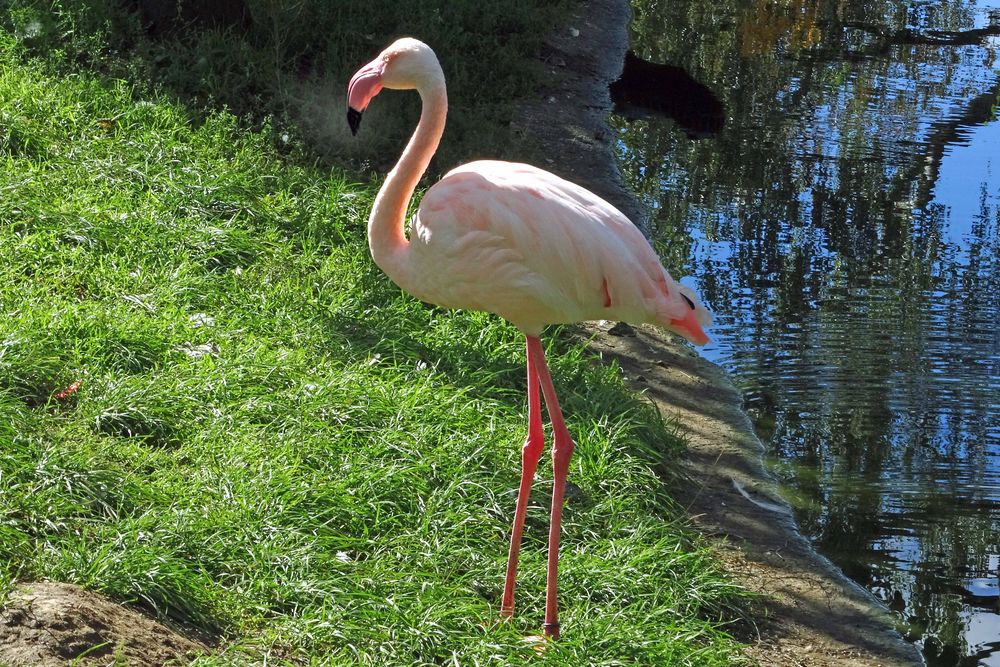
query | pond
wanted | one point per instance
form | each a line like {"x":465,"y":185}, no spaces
{"x":843,"y":226}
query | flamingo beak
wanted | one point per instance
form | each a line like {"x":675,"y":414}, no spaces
{"x":365,"y":85}
{"x":689,"y":327}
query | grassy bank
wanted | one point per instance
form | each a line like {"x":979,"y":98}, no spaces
{"x":214,"y":405}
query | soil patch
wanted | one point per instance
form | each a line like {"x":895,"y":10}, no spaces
{"x":48,"y":624}
{"x":814,"y":614}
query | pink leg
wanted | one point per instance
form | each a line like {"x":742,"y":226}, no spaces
{"x":530,"y":454}
{"x":562,"y":450}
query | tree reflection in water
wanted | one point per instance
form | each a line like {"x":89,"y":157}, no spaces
{"x":844,"y":227}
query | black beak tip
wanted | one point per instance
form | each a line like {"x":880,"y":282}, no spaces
{"x":353,"y":120}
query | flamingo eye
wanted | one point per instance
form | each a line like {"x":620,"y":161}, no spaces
{"x":689,"y":301}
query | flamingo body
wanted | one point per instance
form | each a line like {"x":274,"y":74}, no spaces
{"x":520,"y":242}
{"x":535,"y":249}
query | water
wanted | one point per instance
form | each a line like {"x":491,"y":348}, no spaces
{"x":843,"y":227}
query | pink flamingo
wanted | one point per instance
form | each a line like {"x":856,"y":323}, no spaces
{"x":520,"y":242}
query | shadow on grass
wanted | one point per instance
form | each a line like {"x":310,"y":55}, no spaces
{"x":290,"y":62}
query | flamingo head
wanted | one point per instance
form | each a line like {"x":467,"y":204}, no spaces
{"x":405,"y":64}
{"x":695,"y":317}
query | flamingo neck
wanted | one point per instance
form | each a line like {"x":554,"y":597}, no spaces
{"x":386,"y":236}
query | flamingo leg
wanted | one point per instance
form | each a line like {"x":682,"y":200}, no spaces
{"x":531,"y":452}
{"x":562,"y":450}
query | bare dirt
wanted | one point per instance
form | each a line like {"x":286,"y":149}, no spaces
{"x":815,"y":615}
{"x":45,"y":624}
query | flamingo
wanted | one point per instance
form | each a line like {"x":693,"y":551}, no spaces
{"x":520,"y":242}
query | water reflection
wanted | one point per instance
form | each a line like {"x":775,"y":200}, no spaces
{"x":844,"y":228}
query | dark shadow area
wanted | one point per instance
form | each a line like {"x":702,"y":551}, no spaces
{"x":646,"y":89}
{"x":284,"y":67}
{"x":161,"y":17}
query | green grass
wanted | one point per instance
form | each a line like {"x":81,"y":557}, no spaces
{"x":269,"y":441}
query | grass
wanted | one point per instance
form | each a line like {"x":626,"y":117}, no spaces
{"x":290,"y":63}
{"x":213,"y":404}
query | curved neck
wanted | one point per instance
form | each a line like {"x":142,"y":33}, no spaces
{"x":386,"y":237}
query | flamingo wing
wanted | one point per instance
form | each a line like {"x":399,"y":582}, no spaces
{"x":535,"y":249}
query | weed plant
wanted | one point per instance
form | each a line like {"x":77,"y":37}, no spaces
{"x":213,"y":405}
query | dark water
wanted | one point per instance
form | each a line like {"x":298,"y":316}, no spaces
{"x":843,"y":226}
